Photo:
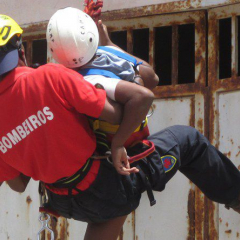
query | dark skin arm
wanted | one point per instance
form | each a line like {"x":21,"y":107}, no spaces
{"x":148,"y":79}
{"x":19,"y":183}
{"x":112,"y":112}
{"x":136,"y":107}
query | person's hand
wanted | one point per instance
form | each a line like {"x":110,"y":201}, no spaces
{"x":120,"y":161}
{"x":104,"y":39}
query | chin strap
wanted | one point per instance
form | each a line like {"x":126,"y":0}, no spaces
{"x":93,"y":8}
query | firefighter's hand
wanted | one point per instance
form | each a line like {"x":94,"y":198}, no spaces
{"x":120,"y":161}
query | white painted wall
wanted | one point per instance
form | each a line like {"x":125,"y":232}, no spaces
{"x":31,"y":11}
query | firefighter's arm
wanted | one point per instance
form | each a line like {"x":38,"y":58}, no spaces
{"x":112,"y":112}
{"x":19,"y":183}
{"x":148,"y":76}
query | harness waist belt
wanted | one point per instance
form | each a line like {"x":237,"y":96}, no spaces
{"x":76,"y":178}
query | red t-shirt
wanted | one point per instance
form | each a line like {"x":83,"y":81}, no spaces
{"x":44,"y":133}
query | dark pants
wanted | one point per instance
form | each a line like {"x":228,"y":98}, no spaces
{"x":112,"y":195}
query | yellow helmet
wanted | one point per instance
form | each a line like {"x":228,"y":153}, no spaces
{"x":10,"y":44}
{"x":8,"y":28}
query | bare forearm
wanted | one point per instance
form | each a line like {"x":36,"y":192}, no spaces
{"x":112,"y":112}
{"x":135,"y":111}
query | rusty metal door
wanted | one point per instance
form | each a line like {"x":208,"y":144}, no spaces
{"x":180,"y":99}
{"x":178,"y":213}
{"x":224,"y":99}
{"x":175,"y":44}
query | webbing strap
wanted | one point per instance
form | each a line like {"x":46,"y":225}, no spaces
{"x":148,"y":186}
{"x":120,"y":54}
{"x":150,"y":149}
{"x":73,"y":180}
{"x":95,"y":71}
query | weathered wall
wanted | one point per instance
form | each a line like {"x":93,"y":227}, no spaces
{"x":31,"y":11}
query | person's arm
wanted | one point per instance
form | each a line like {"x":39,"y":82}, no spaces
{"x":145,"y":71}
{"x":112,"y":112}
{"x":19,"y":183}
{"x":137,"y":101}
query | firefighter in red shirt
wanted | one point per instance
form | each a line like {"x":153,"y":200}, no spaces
{"x":44,"y":134}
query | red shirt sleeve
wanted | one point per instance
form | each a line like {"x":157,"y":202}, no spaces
{"x":7,"y":172}
{"x":80,"y":94}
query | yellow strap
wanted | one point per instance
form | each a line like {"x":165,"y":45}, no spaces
{"x":109,"y":128}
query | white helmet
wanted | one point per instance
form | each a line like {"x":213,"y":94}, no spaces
{"x":72,"y":37}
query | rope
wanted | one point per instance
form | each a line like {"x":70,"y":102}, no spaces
{"x":93,"y":9}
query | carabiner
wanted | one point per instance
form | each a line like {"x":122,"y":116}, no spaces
{"x":44,"y":225}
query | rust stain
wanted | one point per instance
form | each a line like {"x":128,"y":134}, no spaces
{"x":53,"y":226}
{"x":192,"y":115}
{"x":237,"y":235}
{"x":228,"y":154}
{"x":228,"y":231}
{"x":149,"y":10}
{"x":220,"y":220}
{"x":63,"y":231}
{"x":200,"y":125}
{"x":226,"y":224}
{"x":199,"y":214}
{"x":28,"y":200}
{"x":36,"y":27}
{"x":212,"y":231}
{"x":238,"y":154}
{"x":133,"y":223}
{"x":191,"y":215}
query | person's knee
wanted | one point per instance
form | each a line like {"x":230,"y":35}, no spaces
{"x":187,"y":136}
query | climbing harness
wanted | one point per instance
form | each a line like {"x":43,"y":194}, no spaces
{"x":93,"y":8}
{"x":138,"y":152}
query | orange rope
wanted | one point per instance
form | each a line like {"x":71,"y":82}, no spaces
{"x":93,"y":8}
